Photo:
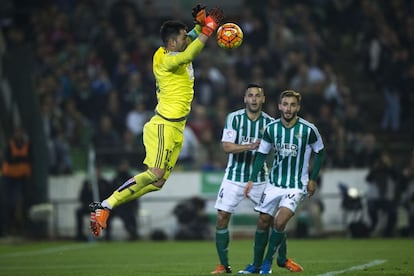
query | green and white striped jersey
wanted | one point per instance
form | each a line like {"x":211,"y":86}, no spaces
{"x":293,"y":147}
{"x":239,"y":129}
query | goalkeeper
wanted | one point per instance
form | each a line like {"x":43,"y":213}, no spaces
{"x":163,"y":134}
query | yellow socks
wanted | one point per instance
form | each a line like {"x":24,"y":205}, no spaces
{"x":133,"y":188}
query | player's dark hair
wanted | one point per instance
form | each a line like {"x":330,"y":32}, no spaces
{"x":254,"y":85}
{"x":290,"y":93}
{"x":170,"y":29}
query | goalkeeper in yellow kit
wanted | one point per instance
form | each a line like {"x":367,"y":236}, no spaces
{"x":163,"y":134}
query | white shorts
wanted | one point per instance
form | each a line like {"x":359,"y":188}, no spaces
{"x":232,"y":193}
{"x":275,"y":197}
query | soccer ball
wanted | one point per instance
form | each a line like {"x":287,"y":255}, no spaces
{"x":229,"y":36}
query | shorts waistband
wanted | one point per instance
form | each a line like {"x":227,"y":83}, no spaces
{"x":171,"y":119}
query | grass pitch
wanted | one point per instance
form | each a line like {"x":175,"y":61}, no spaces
{"x":325,"y":257}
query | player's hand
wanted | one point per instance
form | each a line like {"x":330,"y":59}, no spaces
{"x":255,"y":145}
{"x":213,"y":20}
{"x":311,"y":187}
{"x":199,"y":14}
{"x":247,"y":189}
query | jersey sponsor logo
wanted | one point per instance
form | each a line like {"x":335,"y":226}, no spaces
{"x":287,"y":149}
{"x":247,"y":140}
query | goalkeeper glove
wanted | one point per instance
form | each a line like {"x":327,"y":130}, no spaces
{"x":212,"y":21}
{"x":199,"y":14}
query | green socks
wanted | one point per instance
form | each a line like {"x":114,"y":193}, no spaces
{"x":275,"y":240}
{"x":260,"y":241}
{"x":222,"y":245}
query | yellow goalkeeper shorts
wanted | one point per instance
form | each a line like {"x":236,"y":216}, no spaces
{"x":163,"y":141}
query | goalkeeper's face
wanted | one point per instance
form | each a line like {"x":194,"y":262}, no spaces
{"x":180,"y":42}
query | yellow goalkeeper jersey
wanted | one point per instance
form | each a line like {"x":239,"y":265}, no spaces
{"x":174,"y":76}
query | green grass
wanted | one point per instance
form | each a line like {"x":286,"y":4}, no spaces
{"x":199,"y":258}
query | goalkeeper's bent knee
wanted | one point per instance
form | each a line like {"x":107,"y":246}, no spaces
{"x":130,"y":188}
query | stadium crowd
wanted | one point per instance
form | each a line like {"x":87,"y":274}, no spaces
{"x":94,"y":80}
{"x":95,"y":85}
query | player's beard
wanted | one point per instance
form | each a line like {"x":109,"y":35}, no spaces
{"x":254,"y":109}
{"x":289,"y":119}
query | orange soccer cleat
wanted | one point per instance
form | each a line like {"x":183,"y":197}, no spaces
{"x":293,"y":266}
{"x":93,"y":225}
{"x":221,"y":269}
{"x":99,"y":216}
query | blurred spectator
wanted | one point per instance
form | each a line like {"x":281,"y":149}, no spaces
{"x":339,"y":155}
{"x":381,"y":58}
{"x":324,"y":121}
{"x":73,"y":124}
{"x":94,"y":63}
{"x":62,"y":164}
{"x":190,"y":153}
{"x":106,"y":140}
{"x":116,"y":111}
{"x":101,"y":86}
{"x":309,"y":79}
{"x":83,"y":95}
{"x":137,"y":117}
{"x":205,"y":90}
{"x":384,"y":181}
{"x":60,"y":34}
{"x":245,"y":62}
{"x":201,"y":125}
{"x":120,"y":11}
{"x":280,"y":34}
{"x":16,"y":171}
{"x":352,"y":121}
{"x":59,"y":149}
{"x":132,"y":149}
{"x":122,"y":71}
{"x":83,"y":20}
{"x":105,"y":44}
{"x":366,"y":152}
{"x":134,"y":91}
{"x":394,"y":89}
{"x":253,"y":27}
{"x":336,"y":92}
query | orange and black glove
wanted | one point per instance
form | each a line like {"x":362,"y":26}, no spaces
{"x":199,"y":14}
{"x":212,"y":21}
